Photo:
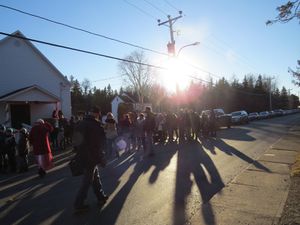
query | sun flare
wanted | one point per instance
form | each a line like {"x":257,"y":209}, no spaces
{"x":176,"y":75}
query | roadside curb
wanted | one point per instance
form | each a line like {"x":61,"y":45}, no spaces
{"x":258,"y":194}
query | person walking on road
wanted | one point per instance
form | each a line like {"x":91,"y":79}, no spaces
{"x":89,"y":139}
{"x":38,"y":138}
{"x":110,"y":128}
{"x":149,"y":127}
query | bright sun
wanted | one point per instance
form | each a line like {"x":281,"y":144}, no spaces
{"x":177,"y":73}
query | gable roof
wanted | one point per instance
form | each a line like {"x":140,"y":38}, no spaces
{"x":126,"y":98}
{"x":18,"y":34}
{"x":33,"y":93}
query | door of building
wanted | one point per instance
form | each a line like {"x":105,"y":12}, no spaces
{"x":20,"y":113}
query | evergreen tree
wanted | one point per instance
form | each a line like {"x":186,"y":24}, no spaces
{"x":284,"y":99}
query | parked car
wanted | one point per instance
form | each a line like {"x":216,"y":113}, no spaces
{"x":239,"y":117}
{"x":264,"y":115}
{"x":272,"y":114}
{"x":278,"y":112}
{"x":253,"y":116}
{"x":222,"y":119}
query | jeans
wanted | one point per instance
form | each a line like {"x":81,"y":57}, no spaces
{"x":149,"y":142}
{"x":90,"y":177}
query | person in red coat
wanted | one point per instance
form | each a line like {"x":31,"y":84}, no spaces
{"x":38,"y":138}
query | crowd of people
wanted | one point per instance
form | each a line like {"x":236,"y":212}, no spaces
{"x":44,"y":136}
{"x":133,"y":132}
{"x":95,"y":141}
{"x":141,"y":130}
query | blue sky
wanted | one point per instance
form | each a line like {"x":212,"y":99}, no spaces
{"x":234,"y":38}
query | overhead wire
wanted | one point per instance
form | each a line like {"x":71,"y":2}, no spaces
{"x":103,"y":36}
{"x":108,"y":78}
{"x":171,"y":5}
{"x":242,"y":59}
{"x":82,"y":30}
{"x":96,"y":34}
{"x":156,"y":7}
{"x":141,"y":10}
{"x":94,"y":53}
{"x":81,"y":50}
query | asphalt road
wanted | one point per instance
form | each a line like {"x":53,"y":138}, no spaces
{"x":165,"y":189}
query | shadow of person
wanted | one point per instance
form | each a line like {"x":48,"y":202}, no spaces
{"x":243,"y":134}
{"x":193,"y":160}
{"x":230,"y":150}
{"x":207,"y":144}
{"x":112,"y":210}
{"x":163,"y":160}
{"x":160,"y":161}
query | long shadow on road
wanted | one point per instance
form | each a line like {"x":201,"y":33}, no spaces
{"x":49,"y":200}
{"x":231,"y":134}
{"x":230,"y":150}
{"x":111,"y":212}
{"x":193,"y":160}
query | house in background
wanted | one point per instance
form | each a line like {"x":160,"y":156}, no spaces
{"x":128,"y":100}
{"x":31,"y":87}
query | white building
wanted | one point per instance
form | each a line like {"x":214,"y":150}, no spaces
{"x":31,"y":87}
{"x":126,"y":99}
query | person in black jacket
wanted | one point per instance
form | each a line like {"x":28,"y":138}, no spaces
{"x":23,"y":150}
{"x":89,"y":140}
{"x":3,"y":160}
{"x":149,"y":127}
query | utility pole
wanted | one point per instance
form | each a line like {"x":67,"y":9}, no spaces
{"x":169,"y":23}
{"x":270,"y":92}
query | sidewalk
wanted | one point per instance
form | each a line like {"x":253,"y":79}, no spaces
{"x":259,"y":194}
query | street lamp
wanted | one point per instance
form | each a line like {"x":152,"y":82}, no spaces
{"x":193,"y":44}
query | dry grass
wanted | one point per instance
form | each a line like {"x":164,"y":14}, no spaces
{"x":296,"y":167}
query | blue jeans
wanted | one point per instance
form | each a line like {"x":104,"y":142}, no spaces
{"x":90,"y":177}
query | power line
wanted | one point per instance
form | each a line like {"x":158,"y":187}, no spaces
{"x":155,"y":7}
{"x":94,"y":53}
{"x":171,"y":5}
{"x":203,"y":70}
{"x":108,"y":78}
{"x":83,"y":30}
{"x":242,"y":58}
{"x":141,"y":10}
{"x":92,"y":33}
{"x":80,"y":50}
{"x":84,"y":51}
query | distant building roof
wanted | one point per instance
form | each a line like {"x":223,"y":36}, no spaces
{"x":128,"y":99}
{"x":19,"y":94}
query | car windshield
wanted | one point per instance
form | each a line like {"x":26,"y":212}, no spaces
{"x":252,"y":114}
{"x":236,"y":113}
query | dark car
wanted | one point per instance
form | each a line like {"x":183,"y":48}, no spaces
{"x":222,"y":119}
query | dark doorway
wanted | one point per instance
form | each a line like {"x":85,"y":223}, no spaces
{"x":20,"y":113}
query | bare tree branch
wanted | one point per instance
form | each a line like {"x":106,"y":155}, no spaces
{"x":138,"y":76}
{"x":287,"y":12}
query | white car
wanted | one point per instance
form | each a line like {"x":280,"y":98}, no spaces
{"x":253,"y":116}
{"x":239,"y":117}
{"x":264,"y":115}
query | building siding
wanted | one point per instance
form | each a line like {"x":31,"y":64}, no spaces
{"x":22,"y":65}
